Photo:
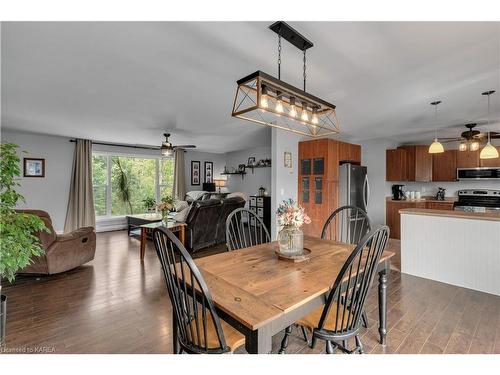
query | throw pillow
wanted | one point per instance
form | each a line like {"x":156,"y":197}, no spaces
{"x":181,"y":216}
{"x":180,"y":205}
{"x":238,"y":194}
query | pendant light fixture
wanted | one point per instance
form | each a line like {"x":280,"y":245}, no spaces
{"x":489,"y":151}
{"x":266,"y":100}
{"x":436,"y":147}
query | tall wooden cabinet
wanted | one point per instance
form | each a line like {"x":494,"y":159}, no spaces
{"x":396,"y":165}
{"x":319,"y":178}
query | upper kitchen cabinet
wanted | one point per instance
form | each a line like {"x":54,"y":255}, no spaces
{"x":444,"y":166}
{"x":349,"y":152}
{"x":467,"y":159}
{"x":418,"y":163}
{"x":491,"y":162}
{"x":396,"y":165}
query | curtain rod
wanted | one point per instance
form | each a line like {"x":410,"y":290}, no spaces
{"x":122,"y":145}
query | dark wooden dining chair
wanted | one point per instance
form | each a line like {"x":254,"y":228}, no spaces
{"x":336,"y":322}
{"x":197,"y":328}
{"x":245,"y":229}
{"x":348,"y":224}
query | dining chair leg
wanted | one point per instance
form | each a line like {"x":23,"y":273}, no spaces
{"x":329,"y":347}
{"x":304,"y":333}
{"x":313,"y":342}
{"x":365,"y":319}
{"x":344,"y":344}
{"x":359,"y":345}
{"x":284,"y":342}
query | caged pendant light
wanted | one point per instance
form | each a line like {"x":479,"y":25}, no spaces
{"x":489,"y":151}
{"x":266,"y":100}
{"x":436,"y":147}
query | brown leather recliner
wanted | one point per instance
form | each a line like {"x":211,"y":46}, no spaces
{"x":62,"y":252}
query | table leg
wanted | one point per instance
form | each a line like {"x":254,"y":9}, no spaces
{"x":259,"y":341}
{"x":382,"y":305}
{"x":143,"y":242}
{"x":182,"y":234}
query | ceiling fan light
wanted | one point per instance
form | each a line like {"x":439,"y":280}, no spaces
{"x":489,"y":152}
{"x":474,"y":146}
{"x":436,"y":147}
{"x":462,"y":146}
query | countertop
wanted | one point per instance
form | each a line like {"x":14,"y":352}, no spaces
{"x":491,"y":216}
{"x":424,"y":199}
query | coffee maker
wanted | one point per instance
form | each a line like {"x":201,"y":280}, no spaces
{"x":397,"y":193}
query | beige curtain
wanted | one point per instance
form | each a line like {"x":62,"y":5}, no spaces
{"x":80,"y":211}
{"x":179,"y":175}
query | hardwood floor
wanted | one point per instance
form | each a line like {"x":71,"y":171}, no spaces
{"x":116,"y":304}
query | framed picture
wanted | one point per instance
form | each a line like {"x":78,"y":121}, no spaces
{"x":195,"y":172}
{"x":287,"y":159}
{"x":251,"y":161}
{"x":34,"y":167}
{"x":209,"y":171}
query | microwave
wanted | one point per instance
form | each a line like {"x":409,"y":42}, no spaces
{"x":480,"y":173}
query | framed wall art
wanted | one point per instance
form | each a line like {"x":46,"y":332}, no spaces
{"x":287,"y":159}
{"x":33,"y":167}
{"x":209,"y":171}
{"x":195,"y":172}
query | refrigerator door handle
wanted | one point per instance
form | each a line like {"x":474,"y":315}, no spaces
{"x":365,"y":193}
{"x":368,"y":192}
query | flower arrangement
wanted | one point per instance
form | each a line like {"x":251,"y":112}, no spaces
{"x":290,"y":213}
{"x":166,"y":204}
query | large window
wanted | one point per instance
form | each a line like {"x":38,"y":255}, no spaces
{"x":122,"y":183}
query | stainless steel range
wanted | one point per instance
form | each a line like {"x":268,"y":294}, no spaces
{"x":478,"y":200}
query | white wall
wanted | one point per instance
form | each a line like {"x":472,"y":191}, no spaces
{"x":283,"y":180}
{"x":251,"y":182}
{"x":219,"y":161}
{"x":51,"y":192}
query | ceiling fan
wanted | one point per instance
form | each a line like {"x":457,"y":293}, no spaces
{"x":471,"y":139}
{"x":167,"y":149}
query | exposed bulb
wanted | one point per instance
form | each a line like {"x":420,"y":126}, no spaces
{"x":293,"y":111}
{"x":314,"y":119}
{"x":279,"y":106}
{"x":263,"y":101}
{"x":463,"y":146}
{"x":304,"y":116}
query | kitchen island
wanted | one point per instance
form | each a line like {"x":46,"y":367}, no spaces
{"x":454,"y":247}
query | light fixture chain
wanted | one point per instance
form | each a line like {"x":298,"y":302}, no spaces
{"x":279,"y":56}
{"x":304,"y":73}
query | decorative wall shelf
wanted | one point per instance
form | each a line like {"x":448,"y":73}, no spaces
{"x":252,"y":167}
{"x":235,"y":173}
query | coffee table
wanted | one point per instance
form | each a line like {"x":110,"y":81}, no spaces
{"x":135,"y":221}
{"x":147,"y":229}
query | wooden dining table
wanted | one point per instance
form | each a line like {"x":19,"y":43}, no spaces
{"x":260,"y":295}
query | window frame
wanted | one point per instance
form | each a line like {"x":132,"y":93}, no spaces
{"x":109,"y":199}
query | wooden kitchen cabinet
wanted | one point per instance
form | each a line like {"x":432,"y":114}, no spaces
{"x":491,"y":162}
{"x":444,"y":166}
{"x":467,"y":159}
{"x":439,"y":205}
{"x":349,"y":152}
{"x":396,"y":165}
{"x":418,"y":163}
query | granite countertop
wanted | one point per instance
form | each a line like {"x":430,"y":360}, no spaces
{"x":424,"y":199}
{"x":491,"y":216}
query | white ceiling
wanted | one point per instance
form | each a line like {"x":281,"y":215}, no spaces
{"x":130,"y":81}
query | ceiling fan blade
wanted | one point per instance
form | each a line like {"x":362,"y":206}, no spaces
{"x":185,"y":146}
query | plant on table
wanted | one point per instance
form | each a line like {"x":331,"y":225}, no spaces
{"x":149,"y":203}
{"x":18,"y":239}
{"x":166,"y":205}
{"x":291,"y":216}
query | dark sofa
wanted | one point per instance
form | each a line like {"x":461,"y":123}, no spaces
{"x":206,"y":221}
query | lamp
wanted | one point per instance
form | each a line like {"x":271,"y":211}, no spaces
{"x":489,"y":151}
{"x":436,"y":147}
{"x":266,"y":100}
{"x":220,"y":183}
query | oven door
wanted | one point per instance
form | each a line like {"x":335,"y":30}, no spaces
{"x":480,"y":173}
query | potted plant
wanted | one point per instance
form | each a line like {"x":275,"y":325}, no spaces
{"x":149,"y":203}
{"x":18,"y":239}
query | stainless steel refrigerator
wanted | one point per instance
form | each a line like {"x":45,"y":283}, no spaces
{"x":354,"y":188}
